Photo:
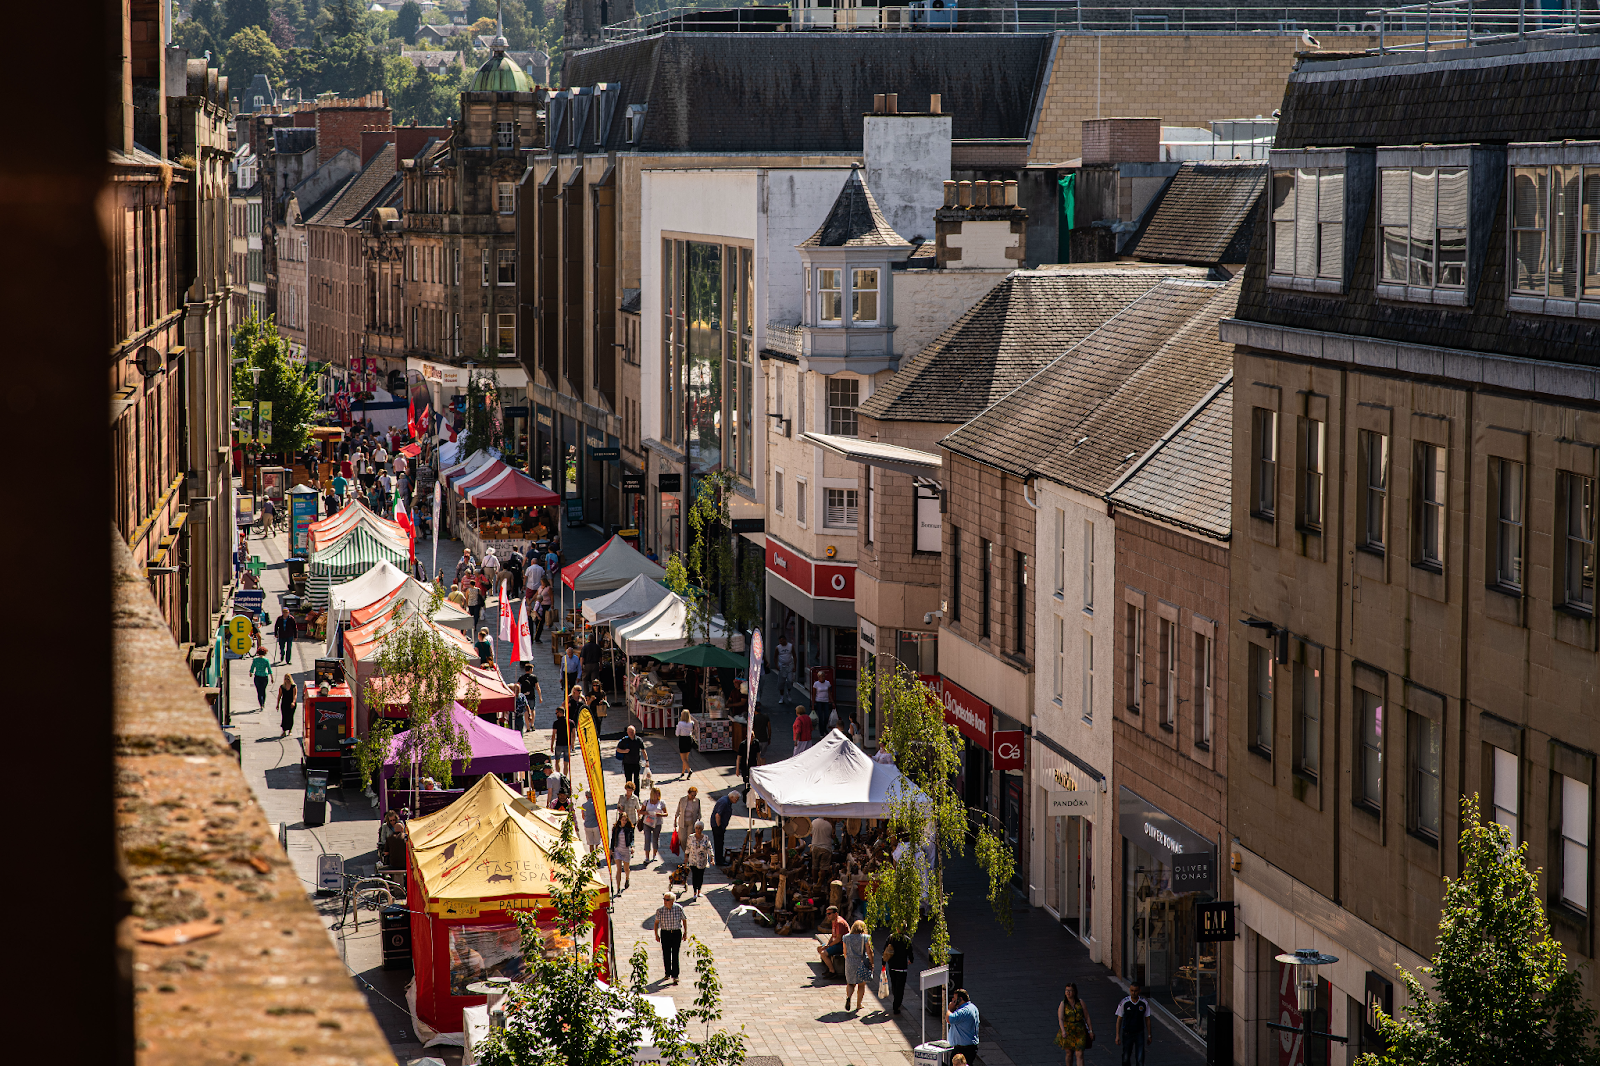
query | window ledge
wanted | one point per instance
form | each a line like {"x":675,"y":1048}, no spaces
{"x":1548,"y":305}
{"x":1375,"y":550}
{"x":1202,"y":745}
{"x":1265,"y":753}
{"x":1265,"y":516}
{"x":1295,"y":283}
{"x":1366,"y":808}
{"x":1308,"y":776}
{"x":1166,"y":727}
{"x":272,"y":960}
{"x":1310,"y":531}
{"x":1423,"y":838}
{"x":1573,"y":610}
{"x":1568,"y":915}
{"x":1428,"y":567}
{"x":1504,"y":590}
{"x":1418,"y":294}
{"x":1059,"y":597}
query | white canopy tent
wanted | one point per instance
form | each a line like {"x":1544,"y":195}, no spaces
{"x":831,"y":779}
{"x":370,"y":587}
{"x":665,"y":627}
{"x":630,"y":601}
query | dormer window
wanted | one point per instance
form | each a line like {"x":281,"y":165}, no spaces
{"x":1554,"y":202}
{"x":634,"y":124}
{"x":1435,"y":207}
{"x":864,"y":297}
{"x":1319,"y":206}
{"x":830,"y":295}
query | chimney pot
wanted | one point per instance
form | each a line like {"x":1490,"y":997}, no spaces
{"x":964,"y":194}
{"x":935,"y":101}
{"x":1011,"y":193}
{"x":949,"y":194}
{"x":877,"y":103}
{"x":893,"y":103}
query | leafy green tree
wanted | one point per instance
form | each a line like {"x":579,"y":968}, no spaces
{"x":344,"y":17}
{"x":420,"y":97}
{"x":927,"y":750}
{"x":208,"y":14}
{"x":517,"y":30}
{"x":562,"y":1016}
{"x":418,"y":668}
{"x":291,"y":389}
{"x":294,"y":13}
{"x":408,"y":21}
{"x":483,"y":412}
{"x":251,"y":52}
{"x":1501,"y":991}
{"x":281,"y":29}
{"x":193,"y":36}
{"x":242,"y":14}
{"x":712,"y":564}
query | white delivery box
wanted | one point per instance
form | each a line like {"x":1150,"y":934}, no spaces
{"x":933,"y":1053}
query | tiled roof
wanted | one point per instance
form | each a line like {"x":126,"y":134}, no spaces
{"x":1206,"y":214}
{"x":1187,"y":478}
{"x":360,"y":193}
{"x":854,"y":221}
{"x":762,"y":92}
{"x":1085,"y":418}
{"x":1021,"y":324}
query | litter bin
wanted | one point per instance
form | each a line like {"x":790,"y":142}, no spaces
{"x":316,"y":806}
{"x":396,"y":925}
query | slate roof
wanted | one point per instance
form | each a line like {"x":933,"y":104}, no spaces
{"x":630,"y":301}
{"x":762,"y":92}
{"x":854,"y":221}
{"x":1018,"y":326}
{"x":1085,"y":418}
{"x":1206,"y":214}
{"x":1187,"y":478}
{"x":1543,"y":90}
{"x":361,"y":193}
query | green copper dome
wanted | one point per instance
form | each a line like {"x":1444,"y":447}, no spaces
{"x":500,"y":74}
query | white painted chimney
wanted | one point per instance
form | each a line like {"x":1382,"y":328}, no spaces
{"x":907,"y":159}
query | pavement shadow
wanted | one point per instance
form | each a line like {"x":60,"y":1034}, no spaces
{"x":286,"y":777}
{"x":837,"y":1017}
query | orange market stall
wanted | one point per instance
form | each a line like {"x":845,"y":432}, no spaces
{"x":471,"y":864}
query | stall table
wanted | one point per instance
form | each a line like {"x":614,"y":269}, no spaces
{"x":713,"y":734}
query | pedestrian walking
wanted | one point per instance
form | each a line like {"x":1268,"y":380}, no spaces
{"x":630,"y":806}
{"x":485,"y":648}
{"x":621,"y":853}
{"x":1074,"y":1032}
{"x":685,"y":733}
{"x":288,"y":694}
{"x":857,"y":963}
{"x":1133,"y":1026}
{"x":822,"y":698}
{"x":683,"y":822}
{"x":721,"y":815}
{"x":655,"y":815}
{"x":591,"y":822}
{"x":962,"y":1020}
{"x":261,"y":670}
{"x":785,"y":666}
{"x":630,"y":752}
{"x":285,"y":629}
{"x":802,"y":728}
{"x":561,"y":740}
{"x":897,"y":956}
{"x":671,"y":924}
{"x":698,"y":856}
{"x":530,"y":693}
{"x":547,"y":599}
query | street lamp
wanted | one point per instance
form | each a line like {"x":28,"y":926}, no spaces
{"x":1305,"y":962}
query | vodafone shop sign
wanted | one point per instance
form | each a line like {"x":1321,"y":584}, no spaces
{"x":817,"y":579}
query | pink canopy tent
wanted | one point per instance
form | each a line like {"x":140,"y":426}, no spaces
{"x":511,"y":488}
{"x":493,"y":749}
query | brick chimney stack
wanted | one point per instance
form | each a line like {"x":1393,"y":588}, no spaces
{"x":1121,"y":140}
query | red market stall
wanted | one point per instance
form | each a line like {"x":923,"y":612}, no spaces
{"x":330,"y":719}
{"x":472,"y":863}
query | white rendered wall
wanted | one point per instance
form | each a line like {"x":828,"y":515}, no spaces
{"x":908,"y":161}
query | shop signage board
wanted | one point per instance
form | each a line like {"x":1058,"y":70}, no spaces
{"x":972,"y":716}
{"x":669,"y":482}
{"x":1192,"y":857}
{"x":1214,"y":922}
{"x":1008,"y":749}
{"x":249,"y":601}
{"x":633,"y":483}
{"x":605,"y":455}
{"x":1063,"y":802}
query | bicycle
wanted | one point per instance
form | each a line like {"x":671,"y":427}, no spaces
{"x":360,"y":891}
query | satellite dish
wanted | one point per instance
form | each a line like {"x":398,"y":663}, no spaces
{"x":149,"y":361}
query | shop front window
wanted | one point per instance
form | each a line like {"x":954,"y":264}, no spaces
{"x":1069,"y":872}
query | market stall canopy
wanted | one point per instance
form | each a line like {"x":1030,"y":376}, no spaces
{"x":354,"y":515}
{"x":630,"y":601}
{"x":479,"y":477}
{"x":480,"y":804}
{"x":492,"y":750}
{"x":511,"y":488}
{"x":832,"y":779}
{"x":350,"y":556}
{"x":702,"y":655}
{"x":473,"y":462}
{"x":664,"y":628}
{"x":415,"y":594}
{"x":610,"y":566}
{"x":379,"y":583}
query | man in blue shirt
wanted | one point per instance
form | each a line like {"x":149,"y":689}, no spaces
{"x":962,"y":1016}
{"x":1133,"y":1026}
{"x":721,"y":815}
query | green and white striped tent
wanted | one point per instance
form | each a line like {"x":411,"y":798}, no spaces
{"x":346,"y":559}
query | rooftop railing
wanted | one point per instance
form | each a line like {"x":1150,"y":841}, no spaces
{"x":1022,"y":16}
{"x":1454,"y":23}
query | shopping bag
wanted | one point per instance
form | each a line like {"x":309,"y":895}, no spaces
{"x":674,"y":842}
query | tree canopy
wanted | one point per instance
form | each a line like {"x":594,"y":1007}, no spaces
{"x":1500,"y":988}
{"x":408,"y":21}
{"x":251,"y":52}
{"x":242,"y":14}
{"x":290,"y":388}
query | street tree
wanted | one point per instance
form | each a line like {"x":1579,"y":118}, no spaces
{"x":1500,"y":990}
{"x":484,"y":428}
{"x":408,"y":21}
{"x":289,"y":387}
{"x":714,"y":573}
{"x":562,"y":1016}
{"x":418,"y":669}
{"x":927,"y":751}
{"x":250,"y":52}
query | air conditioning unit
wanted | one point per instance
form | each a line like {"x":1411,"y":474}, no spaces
{"x":933,"y":12}
{"x":1371,"y":27}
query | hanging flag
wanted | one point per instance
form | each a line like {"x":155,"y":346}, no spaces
{"x":589,"y":745}
{"x":403,"y":517}
{"x":438,"y":498}
{"x":505,"y":619}
{"x":754,"y":685}
{"x":519,"y":635}
{"x":411,"y":417}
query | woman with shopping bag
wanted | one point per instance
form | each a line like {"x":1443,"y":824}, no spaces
{"x":683,"y":822}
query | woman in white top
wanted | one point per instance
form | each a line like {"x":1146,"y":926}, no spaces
{"x":685,"y":731}
{"x":655,"y":812}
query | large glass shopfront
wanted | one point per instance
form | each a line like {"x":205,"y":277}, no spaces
{"x":708,"y":331}
{"x":1167,"y":868}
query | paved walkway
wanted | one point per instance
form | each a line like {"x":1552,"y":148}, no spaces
{"x":773,"y":986}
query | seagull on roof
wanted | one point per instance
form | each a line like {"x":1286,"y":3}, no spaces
{"x":1308,"y":40}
